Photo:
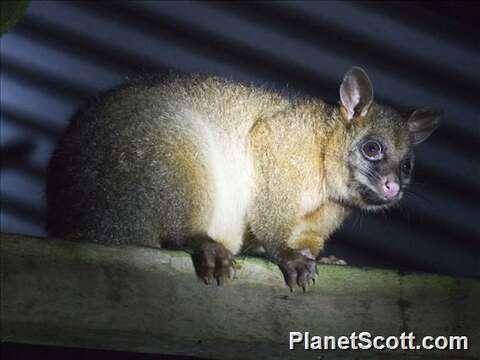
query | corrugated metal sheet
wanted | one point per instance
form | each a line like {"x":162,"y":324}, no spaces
{"x":63,"y":52}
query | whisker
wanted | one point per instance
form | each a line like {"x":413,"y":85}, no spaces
{"x":406,"y":213}
{"x":418,"y":196}
{"x":362,"y":216}
{"x":369,"y":174}
{"x":420,"y":184}
{"x":358,"y":220}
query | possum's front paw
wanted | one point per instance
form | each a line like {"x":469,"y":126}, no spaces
{"x":297,"y":268}
{"x":213,"y":261}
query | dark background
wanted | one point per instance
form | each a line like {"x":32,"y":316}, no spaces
{"x":417,"y":54}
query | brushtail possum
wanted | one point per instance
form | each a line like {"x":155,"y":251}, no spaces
{"x":212,"y":165}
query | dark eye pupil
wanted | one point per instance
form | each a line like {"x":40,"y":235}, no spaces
{"x":371,"y":149}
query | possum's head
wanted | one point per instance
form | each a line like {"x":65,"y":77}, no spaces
{"x":379,"y":143}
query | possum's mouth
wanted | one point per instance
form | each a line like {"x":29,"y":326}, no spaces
{"x":374,"y":199}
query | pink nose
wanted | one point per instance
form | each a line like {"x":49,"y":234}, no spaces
{"x":391,"y":189}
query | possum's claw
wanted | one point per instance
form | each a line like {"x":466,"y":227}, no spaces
{"x":213,"y":262}
{"x":297,"y":269}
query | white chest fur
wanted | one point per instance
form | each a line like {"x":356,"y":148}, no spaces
{"x":231,"y":172}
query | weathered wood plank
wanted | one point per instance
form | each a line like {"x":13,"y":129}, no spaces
{"x":149,"y":300}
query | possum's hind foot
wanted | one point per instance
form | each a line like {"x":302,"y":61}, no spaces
{"x":297,"y":268}
{"x":332,"y":260}
{"x":212,"y":261}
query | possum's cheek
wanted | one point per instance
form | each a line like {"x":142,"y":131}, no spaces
{"x":364,"y":184}
{"x":357,"y":185}
{"x":362,"y":190}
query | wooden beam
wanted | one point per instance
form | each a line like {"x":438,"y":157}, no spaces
{"x":148,"y":300}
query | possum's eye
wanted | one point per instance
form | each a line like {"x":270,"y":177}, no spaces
{"x":372,"y":150}
{"x":406,"y":166}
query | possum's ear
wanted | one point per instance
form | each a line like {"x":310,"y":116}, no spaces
{"x":422,"y":123}
{"x":356,"y":93}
